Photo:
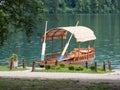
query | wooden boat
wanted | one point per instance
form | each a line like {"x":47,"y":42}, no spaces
{"x":77,"y":56}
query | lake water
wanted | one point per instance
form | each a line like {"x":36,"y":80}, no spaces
{"x":28,"y":47}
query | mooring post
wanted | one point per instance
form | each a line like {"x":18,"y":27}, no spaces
{"x":33,"y":66}
{"x":95,"y":66}
{"x":45,"y":61}
{"x":56,"y":63}
{"x":104,"y":66}
{"x":24,"y":63}
{"x":109,"y":65}
{"x":11,"y":64}
{"x":86,"y":64}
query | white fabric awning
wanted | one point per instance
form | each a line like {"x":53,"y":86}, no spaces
{"x":81,"y":33}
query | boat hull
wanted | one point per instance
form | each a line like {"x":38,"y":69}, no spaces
{"x":66,"y":62}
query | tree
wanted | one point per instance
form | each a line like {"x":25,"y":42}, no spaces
{"x":22,"y":13}
{"x":79,"y":6}
{"x":52,"y":6}
{"x":62,"y":5}
{"x":3,"y":26}
{"x":87,"y":6}
{"x":95,"y":6}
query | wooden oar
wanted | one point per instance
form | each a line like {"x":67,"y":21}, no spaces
{"x":66,"y":46}
{"x":44,"y":44}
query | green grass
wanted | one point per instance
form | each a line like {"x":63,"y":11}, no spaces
{"x":6,"y":68}
{"x":49,"y":84}
{"x":73,"y":71}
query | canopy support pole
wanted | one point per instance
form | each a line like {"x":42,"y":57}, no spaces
{"x":88,"y":49}
{"x":88,"y":44}
{"x":52,"y":46}
{"x":62,"y":43}
{"x":78,"y":50}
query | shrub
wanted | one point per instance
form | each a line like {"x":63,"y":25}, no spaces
{"x":79,"y":68}
{"x":14,"y":57}
{"x":62,"y":65}
{"x":53,"y":67}
{"x":57,"y":67}
{"x":92,"y":67}
{"x":71,"y":67}
{"x":47,"y":66}
{"x":100,"y":68}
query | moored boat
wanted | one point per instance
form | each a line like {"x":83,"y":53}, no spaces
{"x":79,"y":55}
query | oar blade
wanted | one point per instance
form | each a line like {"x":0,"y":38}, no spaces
{"x":43,"y":51}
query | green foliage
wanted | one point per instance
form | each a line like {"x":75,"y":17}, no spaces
{"x":62,"y":65}
{"x":22,"y":14}
{"x":92,"y":67}
{"x":47,"y":66}
{"x":57,"y":67}
{"x":79,"y":68}
{"x":100,"y":68}
{"x":71,"y":67}
{"x":53,"y":67}
{"x":14,"y":57}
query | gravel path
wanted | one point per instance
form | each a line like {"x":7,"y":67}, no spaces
{"x":57,"y":75}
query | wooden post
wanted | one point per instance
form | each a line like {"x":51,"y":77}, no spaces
{"x":95,"y":66}
{"x":56,"y":63}
{"x":45,"y":61}
{"x":24,"y":64}
{"x":33,"y":66}
{"x":104,"y":66}
{"x":109,"y":65}
{"x":86,"y":64}
{"x":11,"y":64}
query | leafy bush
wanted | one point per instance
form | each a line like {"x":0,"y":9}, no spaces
{"x":14,"y":57}
{"x":100,"y":68}
{"x":79,"y":68}
{"x":53,"y":67}
{"x":57,"y":67}
{"x":71,"y":67}
{"x":92,"y":67}
{"x":62,"y":65}
{"x":47,"y":66}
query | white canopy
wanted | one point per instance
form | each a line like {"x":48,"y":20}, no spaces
{"x":81,"y":33}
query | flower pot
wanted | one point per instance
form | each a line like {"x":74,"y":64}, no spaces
{"x":15,"y":64}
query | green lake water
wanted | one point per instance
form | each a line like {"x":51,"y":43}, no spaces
{"x":28,"y":47}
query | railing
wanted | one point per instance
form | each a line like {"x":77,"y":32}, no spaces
{"x":53,"y":55}
{"x":82,"y":54}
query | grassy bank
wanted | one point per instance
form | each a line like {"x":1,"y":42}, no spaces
{"x":37,"y":84}
{"x":73,"y":69}
{"x":6,"y":68}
